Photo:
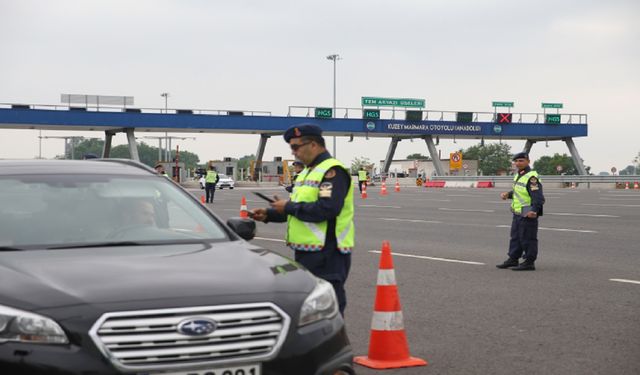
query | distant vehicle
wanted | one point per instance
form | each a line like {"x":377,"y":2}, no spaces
{"x":108,"y":268}
{"x":224,"y":181}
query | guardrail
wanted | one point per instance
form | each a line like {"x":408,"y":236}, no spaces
{"x":548,"y":178}
{"x":398,"y":113}
{"x":99,"y":108}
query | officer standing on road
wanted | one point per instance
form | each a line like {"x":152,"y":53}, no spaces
{"x":298,"y":167}
{"x":362,"y":178}
{"x":210,"y":181}
{"x":526,"y":205}
{"x":319,"y":214}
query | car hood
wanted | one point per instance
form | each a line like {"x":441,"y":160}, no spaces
{"x":34,"y":280}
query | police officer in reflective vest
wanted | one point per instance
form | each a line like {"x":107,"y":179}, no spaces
{"x":319,"y":213}
{"x":526,"y":206}
{"x":362,"y":178}
{"x":210,"y":181}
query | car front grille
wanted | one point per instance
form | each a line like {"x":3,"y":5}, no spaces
{"x":150,"y":339}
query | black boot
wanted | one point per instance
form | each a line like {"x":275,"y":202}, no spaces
{"x":508,"y":263}
{"x":527,"y":265}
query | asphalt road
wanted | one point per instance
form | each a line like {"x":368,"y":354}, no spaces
{"x":578,"y":313}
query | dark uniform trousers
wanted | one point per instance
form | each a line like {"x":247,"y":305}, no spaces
{"x":210,"y":189}
{"x":524,"y":238}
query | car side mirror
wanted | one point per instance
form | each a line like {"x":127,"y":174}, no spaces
{"x":245,"y":228}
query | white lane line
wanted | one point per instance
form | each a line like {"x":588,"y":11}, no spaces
{"x":462,"y":195}
{"x":555,"y":229}
{"x":378,"y":206}
{"x":268,"y":239}
{"x":502,"y":202}
{"x":431,"y":258}
{"x":465,"y":210}
{"x":410,"y":220}
{"x":572,"y":214}
{"x":433,"y":200}
{"x":626,"y":281}
{"x":610,"y":205}
{"x":621,"y":199}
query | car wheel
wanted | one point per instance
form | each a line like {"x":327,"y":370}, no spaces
{"x":231,"y":187}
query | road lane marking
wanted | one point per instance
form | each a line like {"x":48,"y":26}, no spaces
{"x":462,"y":195}
{"x":625,"y":281}
{"x":621,"y":199}
{"x":378,"y":206}
{"x":572,"y":214}
{"x":268,"y":239}
{"x":465,"y":210}
{"x":431,"y":258}
{"x":433,"y":200}
{"x":410,"y":220}
{"x":555,"y":229}
{"x":610,"y":205}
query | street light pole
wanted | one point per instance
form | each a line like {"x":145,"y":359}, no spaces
{"x":334,"y":58}
{"x":165,"y":95}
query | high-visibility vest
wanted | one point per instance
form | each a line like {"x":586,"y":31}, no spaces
{"x":362,"y":175}
{"x":307,"y":236}
{"x":211,"y":177}
{"x":521,"y":197}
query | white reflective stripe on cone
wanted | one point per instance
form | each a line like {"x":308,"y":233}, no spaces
{"x":386,"y":277}
{"x":387,"y":321}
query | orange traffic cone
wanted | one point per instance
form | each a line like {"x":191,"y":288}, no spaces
{"x":388,"y":347}
{"x":383,"y":189}
{"x":202,"y":199}
{"x":397,"y":188}
{"x":636,"y":186}
{"x":626,"y":186}
{"x":243,"y":208}
{"x":364,"y":191}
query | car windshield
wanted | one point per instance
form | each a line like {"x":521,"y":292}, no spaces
{"x":85,"y":209}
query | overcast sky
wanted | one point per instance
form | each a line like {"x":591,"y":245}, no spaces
{"x":268,"y":55}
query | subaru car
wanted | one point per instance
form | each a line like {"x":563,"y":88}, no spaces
{"x":108,"y":268}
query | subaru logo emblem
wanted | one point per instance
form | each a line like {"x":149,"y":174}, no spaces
{"x":197,"y":326}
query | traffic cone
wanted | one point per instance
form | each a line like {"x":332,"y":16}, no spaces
{"x":388,"y":347}
{"x":364,"y":191}
{"x":626,"y":186}
{"x":383,"y":189}
{"x":202,"y":199}
{"x":397,"y":188}
{"x":243,"y":208}
{"x":636,"y":186}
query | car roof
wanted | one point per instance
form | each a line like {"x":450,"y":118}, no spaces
{"x":90,"y":166}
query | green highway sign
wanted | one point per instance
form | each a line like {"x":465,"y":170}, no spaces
{"x":502,"y":104}
{"x":552,"y":119}
{"x":551,"y":105}
{"x":392,"y":102}
{"x":324,"y":113}
{"x":371,"y":114}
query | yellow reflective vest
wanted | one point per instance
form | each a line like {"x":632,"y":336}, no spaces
{"x":362,"y":175}
{"x":211,"y":177}
{"x":307,"y":236}
{"x":521,"y":197}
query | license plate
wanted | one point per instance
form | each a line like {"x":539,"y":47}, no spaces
{"x":229,"y":370}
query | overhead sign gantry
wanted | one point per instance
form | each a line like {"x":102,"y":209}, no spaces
{"x":381,"y":121}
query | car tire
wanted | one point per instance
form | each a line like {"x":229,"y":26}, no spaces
{"x":231,"y":187}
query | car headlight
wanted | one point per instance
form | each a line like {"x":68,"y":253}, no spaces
{"x":320,"y":304}
{"x":23,"y":326}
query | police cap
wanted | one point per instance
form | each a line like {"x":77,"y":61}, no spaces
{"x":297,"y":131}
{"x":520,"y":155}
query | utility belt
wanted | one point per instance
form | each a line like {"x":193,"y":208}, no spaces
{"x":523,"y":211}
